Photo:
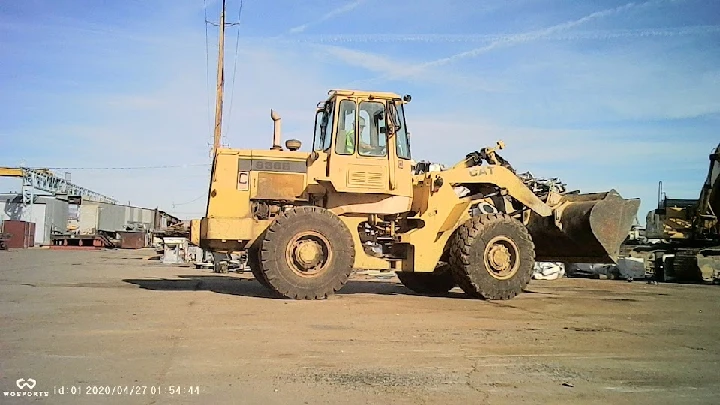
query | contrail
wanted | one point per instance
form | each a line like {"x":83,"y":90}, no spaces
{"x":327,"y":16}
{"x":487,"y":38}
{"x":526,"y":37}
{"x":520,"y":38}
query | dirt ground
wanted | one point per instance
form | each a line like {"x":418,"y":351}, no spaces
{"x":119,"y":328}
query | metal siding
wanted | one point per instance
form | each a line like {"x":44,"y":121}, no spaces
{"x":61,"y":215}
{"x":38,"y":217}
{"x":111,"y":218}
{"x":148,"y":218}
{"x":56,"y":218}
{"x":134,"y":216}
{"x":88,"y":222}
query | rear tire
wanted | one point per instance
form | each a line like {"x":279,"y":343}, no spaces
{"x":307,"y":253}
{"x":256,"y":266}
{"x":440,"y":281}
{"x":492,"y":257}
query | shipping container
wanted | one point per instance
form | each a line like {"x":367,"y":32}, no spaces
{"x":22,"y":234}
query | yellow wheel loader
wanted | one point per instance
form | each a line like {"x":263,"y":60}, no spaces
{"x":304,"y":220}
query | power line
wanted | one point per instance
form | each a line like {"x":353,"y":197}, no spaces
{"x":207,"y":57}
{"x":185,"y":212}
{"x":207,"y":67}
{"x":191,"y":201}
{"x":232,"y":88}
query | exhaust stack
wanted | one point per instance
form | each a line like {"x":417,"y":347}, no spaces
{"x":276,"y":130}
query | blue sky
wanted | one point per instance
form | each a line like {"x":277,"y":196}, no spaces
{"x":609,"y":94}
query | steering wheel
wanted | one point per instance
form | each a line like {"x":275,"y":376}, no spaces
{"x":375,"y":150}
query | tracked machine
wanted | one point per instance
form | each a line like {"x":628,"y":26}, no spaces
{"x":304,"y":220}
{"x":685,"y":234}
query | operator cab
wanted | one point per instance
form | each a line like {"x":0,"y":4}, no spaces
{"x":361,"y":142}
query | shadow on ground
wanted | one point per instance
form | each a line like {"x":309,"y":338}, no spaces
{"x":252,"y":288}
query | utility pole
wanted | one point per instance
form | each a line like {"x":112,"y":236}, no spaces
{"x":220,"y":82}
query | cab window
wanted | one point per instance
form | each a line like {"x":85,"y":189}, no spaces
{"x":323,"y":128}
{"x":372,"y":129}
{"x":402,"y":142}
{"x":345,"y":139}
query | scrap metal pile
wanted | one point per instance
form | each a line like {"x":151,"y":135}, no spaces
{"x":542,"y":186}
{"x":175,"y":230}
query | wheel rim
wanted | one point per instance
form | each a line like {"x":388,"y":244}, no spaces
{"x":308,"y":254}
{"x":501,"y":258}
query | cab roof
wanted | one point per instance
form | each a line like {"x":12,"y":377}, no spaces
{"x":363,"y":93}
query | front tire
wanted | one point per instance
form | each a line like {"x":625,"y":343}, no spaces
{"x":307,"y":253}
{"x":492,"y":257}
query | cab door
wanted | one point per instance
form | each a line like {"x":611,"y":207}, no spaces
{"x":360,"y":159}
{"x":400,"y":164}
{"x":317,"y":168}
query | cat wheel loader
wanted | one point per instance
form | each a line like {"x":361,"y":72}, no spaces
{"x":303,"y":221}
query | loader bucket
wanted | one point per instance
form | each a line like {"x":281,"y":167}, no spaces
{"x":591,"y":228}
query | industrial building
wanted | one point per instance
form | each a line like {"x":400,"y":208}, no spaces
{"x":96,"y":217}
{"x":55,"y":216}
{"x":49,"y":214}
{"x":59,"y":208}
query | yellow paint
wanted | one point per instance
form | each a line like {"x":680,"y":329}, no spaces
{"x":10,"y":172}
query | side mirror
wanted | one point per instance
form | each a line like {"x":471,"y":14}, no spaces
{"x":396,"y":120}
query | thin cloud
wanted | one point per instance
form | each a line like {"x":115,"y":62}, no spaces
{"x":531,"y":36}
{"x":333,"y":13}
{"x":381,"y":64}
{"x":486,"y":38}
{"x":366,"y":60}
{"x":420,"y":69}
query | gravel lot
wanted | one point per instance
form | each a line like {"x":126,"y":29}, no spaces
{"x":120,"y":328}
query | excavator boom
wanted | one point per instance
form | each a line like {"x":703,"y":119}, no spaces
{"x":709,"y":201}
